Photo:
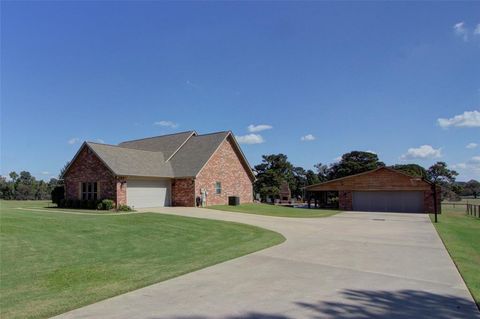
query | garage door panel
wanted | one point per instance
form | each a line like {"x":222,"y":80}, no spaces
{"x":148,"y":192}
{"x":401,"y":201}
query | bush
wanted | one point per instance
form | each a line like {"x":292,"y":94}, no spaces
{"x":124,"y":208}
{"x":106,"y":204}
{"x":79,"y":203}
{"x":58,"y":194}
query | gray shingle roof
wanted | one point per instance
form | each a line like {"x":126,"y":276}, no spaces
{"x":192,"y":156}
{"x":167,"y":144}
{"x":146,"y":157}
{"x":131,"y":162}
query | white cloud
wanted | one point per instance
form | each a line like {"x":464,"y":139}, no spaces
{"x":99,"y":140}
{"x":472,"y":165}
{"x":250,"y":139}
{"x":337,"y":159}
{"x":258,"y":128}
{"x":477,"y":30}
{"x":467,"y":119}
{"x":459,"y":166}
{"x":166,"y":124}
{"x":422,"y":152}
{"x":308,"y":137}
{"x":73,"y":140}
{"x":45,"y":173}
{"x":461,"y":31}
{"x":471,"y":145}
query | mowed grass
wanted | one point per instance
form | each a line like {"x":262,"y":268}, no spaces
{"x":461,"y":235}
{"x":276,"y":210}
{"x":53,"y":262}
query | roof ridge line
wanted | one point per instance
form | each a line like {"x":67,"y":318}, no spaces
{"x":157,"y":136}
{"x":181,"y":145}
{"x":213,"y":133}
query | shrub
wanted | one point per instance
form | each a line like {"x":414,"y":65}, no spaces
{"x":106,"y":204}
{"x":58,"y":194}
{"x":92,"y":204}
{"x":62,"y":203}
{"x":80,"y":203}
{"x":83,"y":204}
{"x":124,"y":208}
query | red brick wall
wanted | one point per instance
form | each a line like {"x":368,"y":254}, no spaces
{"x":87,"y":167}
{"x":345,"y":200}
{"x":381,"y":180}
{"x":429,"y":199}
{"x":183,"y":192}
{"x":226,"y":167}
{"x":121,"y":187}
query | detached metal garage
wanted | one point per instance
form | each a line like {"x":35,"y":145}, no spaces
{"x":380,"y":190}
{"x":143,"y":193}
{"x":404,"y":201}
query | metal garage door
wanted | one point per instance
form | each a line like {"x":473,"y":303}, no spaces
{"x":148,"y":192}
{"x":403,"y":202}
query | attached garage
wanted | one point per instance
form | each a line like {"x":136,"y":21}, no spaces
{"x":380,"y":190}
{"x":143,"y":193}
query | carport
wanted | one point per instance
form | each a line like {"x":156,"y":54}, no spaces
{"x":380,"y":190}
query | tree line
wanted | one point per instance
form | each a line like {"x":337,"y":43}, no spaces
{"x":24,"y":186}
{"x":276,"y":168}
{"x":271,"y":172}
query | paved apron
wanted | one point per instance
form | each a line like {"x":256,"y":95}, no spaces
{"x":351,"y":265}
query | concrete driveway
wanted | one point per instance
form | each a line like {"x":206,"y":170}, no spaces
{"x":351,"y":265}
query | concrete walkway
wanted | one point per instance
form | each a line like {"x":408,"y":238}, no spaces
{"x":351,"y":265}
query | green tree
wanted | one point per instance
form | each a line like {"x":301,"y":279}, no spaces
{"x":62,"y":171}
{"x":300,"y":181}
{"x":441,"y":174}
{"x":353,"y":163}
{"x":24,"y":186}
{"x":322,"y":172}
{"x":274,"y":169}
{"x":13,"y":176}
{"x":312,"y":177}
{"x":412,"y":169}
{"x":472,"y":188}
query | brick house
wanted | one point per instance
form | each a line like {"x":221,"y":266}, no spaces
{"x":168,"y":170}
{"x":380,"y":190}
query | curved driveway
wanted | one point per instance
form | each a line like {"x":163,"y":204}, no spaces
{"x":351,"y":265}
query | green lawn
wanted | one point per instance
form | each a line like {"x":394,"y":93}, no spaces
{"x":461,"y":235}
{"x":273,"y":210}
{"x":52,"y":262}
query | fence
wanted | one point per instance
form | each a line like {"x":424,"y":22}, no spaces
{"x":473,"y":210}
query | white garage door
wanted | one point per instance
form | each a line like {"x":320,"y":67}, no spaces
{"x":402,"y":202}
{"x":148,"y":192}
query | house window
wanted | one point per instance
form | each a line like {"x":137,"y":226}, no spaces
{"x":89,"y":190}
{"x":218,"y":188}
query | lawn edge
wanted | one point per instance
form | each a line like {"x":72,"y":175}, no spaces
{"x":269,"y":215}
{"x":455,"y":263}
{"x":283,"y":239}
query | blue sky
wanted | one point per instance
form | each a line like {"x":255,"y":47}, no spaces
{"x":344,"y":76}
